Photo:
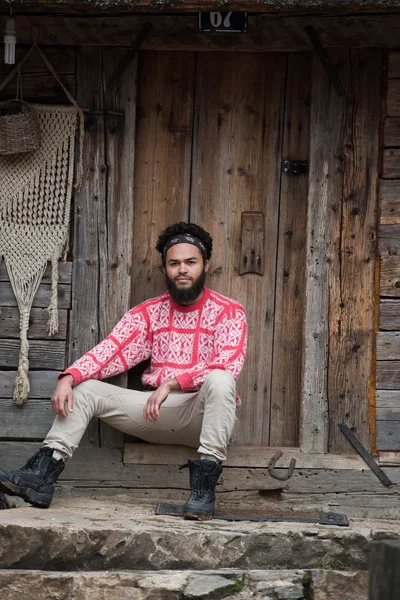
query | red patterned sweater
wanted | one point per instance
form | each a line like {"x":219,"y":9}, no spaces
{"x":186,"y":342}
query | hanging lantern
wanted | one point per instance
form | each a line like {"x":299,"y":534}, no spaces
{"x":10,"y":39}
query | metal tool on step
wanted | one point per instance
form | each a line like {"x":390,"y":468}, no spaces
{"x":275,"y":473}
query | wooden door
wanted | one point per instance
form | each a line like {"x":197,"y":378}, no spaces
{"x":212,"y":131}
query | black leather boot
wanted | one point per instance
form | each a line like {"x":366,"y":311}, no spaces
{"x":35,"y":481}
{"x":204,"y":475}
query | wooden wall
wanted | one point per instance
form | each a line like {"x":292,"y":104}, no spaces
{"x":388,"y":336}
{"x":47,"y":356}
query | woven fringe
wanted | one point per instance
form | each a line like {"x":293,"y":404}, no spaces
{"x":52,"y":309}
{"x":24,"y":292}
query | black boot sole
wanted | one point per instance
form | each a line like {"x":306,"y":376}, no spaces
{"x":31,"y":496}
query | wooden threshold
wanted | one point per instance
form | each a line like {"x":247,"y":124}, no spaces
{"x":241,"y":456}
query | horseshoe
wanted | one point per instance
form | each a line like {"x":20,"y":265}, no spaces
{"x":274,"y":473}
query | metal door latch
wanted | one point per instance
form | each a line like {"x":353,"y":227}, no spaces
{"x":295,"y":167}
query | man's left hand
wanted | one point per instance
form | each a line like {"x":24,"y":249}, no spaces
{"x":151,"y":411}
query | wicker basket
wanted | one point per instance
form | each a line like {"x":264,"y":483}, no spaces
{"x":19,"y":127}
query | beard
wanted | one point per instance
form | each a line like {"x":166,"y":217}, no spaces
{"x":186,"y":295}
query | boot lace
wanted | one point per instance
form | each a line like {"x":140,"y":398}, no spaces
{"x":33,"y":463}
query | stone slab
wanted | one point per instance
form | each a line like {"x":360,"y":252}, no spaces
{"x":185,"y":585}
{"x":88,"y":535}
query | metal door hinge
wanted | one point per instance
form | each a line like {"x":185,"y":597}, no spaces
{"x":295,"y":167}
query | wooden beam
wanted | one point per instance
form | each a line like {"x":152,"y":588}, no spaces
{"x":104,"y":467}
{"x":43,"y":354}
{"x":42,"y":383}
{"x":391,"y":162}
{"x":391,"y":132}
{"x":389,"y":314}
{"x":115,"y":239}
{"x":390,"y":276}
{"x":393,"y":65}
{"x":323,"y":192}
{"x":290,"y":278}
{"x":179,"y":32}
{"x":240,"y":456}
{"x":389,"y":201}
{"x":388,"y":375}
{"x":42,"y":298}
{"x":38,"y":320}
{"x":32,"y":420}
{"x":89,"y":219}
{"x":388,"y":435}
{"x":389,"y":239}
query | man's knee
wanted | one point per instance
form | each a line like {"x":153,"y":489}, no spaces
{"x":83,"y":392}
{"x":220,"y":380}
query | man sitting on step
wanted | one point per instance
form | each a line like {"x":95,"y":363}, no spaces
{"x":196,"y":340}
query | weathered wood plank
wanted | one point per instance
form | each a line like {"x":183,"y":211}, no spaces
{"x":390,"y":276}
{"x":64,"y":273}
{"x":89,"y":218}
{"x":292,"y":245}
{"x":323,"y":195}
{"x":351,"y":306}
{"x":240,"y":456}
{"x":42,"y":88}
{"x":43,"y":354}
{"x":388,"y":435}
{"x":388,"y":414}
{"x":389,"y":314}
{"x":42,"y":298}
{"x":42,"y":383}
{"x":115,"y":248}
{"x":393,"y":98}
{"x":393,"y":64}
{"x":388,"y":374}
{"x":388,"y":345}
{"x":389,"y":201}
{"x":162,"y":167}
{"x":89,"y":465}
{"x":389,"y":459}
{"x":241,"y":173}
{"x":170,"y":32}
{"x":32,"y":420}
{"x":38,"y":319}
{"x":391,"y":163}
{"x":62,"y":58}
{"x":387,"y":399}
{"x":389,"y":239}
{"x":391,"y":132}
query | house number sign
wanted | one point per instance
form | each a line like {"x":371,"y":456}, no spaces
{"x":235,"y":22}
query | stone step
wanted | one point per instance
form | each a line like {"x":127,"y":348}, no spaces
{"x":184,"y":585}
{"x":90,"y":535}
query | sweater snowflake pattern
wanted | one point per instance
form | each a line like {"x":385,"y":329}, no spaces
{"x":185,"y":342}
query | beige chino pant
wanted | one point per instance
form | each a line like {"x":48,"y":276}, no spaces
{"x":205,"y":418}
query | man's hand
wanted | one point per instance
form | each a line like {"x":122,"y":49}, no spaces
{"x":63,"y":395}
{"x":151,"y":411}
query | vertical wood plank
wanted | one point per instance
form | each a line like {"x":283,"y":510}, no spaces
{"x":351,"y":305}
{"x":290,"y":286}
{"x":324,"y":199}
{"x":84,"y":323}
{"x":236,"y":168}
{"x":116,"y":225}
{"x":163,"y":158}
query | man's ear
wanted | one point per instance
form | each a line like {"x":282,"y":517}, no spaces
{"x":206,"y":266}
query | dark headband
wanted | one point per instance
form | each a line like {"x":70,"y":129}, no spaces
{"x":185,"y":238}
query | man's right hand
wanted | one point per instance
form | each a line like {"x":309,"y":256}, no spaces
{"x":63,"y":395}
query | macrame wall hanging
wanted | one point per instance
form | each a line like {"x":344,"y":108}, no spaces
{"x":35,"y":200}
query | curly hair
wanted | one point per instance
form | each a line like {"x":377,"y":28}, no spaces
{"x":182,"y":228}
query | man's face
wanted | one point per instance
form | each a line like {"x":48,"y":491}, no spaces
{"x":185,"y":273}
